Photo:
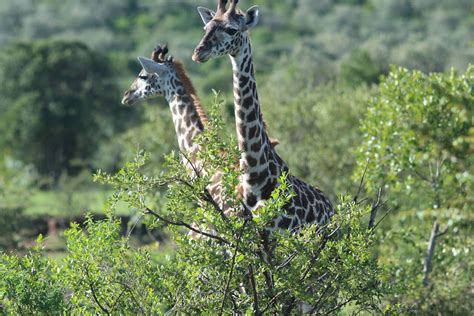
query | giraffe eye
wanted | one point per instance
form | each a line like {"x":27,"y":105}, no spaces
{"x":143,"y":77}
{"x":230,"y":31}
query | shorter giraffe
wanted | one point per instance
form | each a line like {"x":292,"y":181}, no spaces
{"x":164,"y":76}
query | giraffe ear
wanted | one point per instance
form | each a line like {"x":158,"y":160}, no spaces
{"x":206,"y":14}
{"x":151,"y":66}
{"x":251,"y":17}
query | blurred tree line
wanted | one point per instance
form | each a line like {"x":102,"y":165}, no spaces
{"x":60,"y":113}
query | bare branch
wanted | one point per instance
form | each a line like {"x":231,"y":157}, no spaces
{"x":208,"y":198}
{"x":428,"y":266}
{"x":129,"y":233}
{"x":118,"y":298}
{"x":315,"y":309}
{"x":421,"y":176}
{"x":181,"y":223}
{"x":131,"y":291}
{"x":374,"y":209}
{"x":196,"y":172}
{"x":444,"y":231}
{"x":287,"y":261}
{"x":314,"y":257}
{"x":273,"y":300}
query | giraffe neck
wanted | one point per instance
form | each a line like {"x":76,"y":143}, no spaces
{"x":187,"y":120}
{"x":259,"y":162}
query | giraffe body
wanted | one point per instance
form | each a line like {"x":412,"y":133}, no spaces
{"x":226,"y":34}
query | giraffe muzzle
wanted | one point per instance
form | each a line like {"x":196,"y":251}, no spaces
{"x":129,"y":98}
{"x":201,"y":54}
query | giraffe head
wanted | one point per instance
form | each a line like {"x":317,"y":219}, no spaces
{"x":154,"y":79}
{"x":225,"y":30}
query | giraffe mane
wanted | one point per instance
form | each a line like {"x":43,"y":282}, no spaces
{"x":190,"y":90}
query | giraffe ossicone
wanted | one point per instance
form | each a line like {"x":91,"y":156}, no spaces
{"x":226,"y":33}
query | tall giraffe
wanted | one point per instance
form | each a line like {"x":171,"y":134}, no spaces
{"x":226,"y":33}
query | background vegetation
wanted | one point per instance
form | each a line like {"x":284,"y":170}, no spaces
{"x":329,"y":94}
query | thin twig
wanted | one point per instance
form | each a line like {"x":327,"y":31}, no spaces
{"x":361,"y":182}
{"x":422,"y":176}
{"x":342,"y":304}
{"x":181,"y":223}
{"x":314,"y":257}
{"x":197,"y":172}
{"x":208,"y":198}
{"x":134,"y":225}
{"x":383,"y":217}
{"x":97,"y":300}
{"x":117,"y":299}
{"x":374,"y":209}
{"x":94,"y":296}
{"x":273,"y":300}
{"x":315,"y":309}
{"x":130,"y":290}
{"x":287,"y":261}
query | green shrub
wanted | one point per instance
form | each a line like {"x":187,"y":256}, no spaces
{"x":418,"y":145}
{"x":31,"y":284}
{"x":228,"y":269}
{"x":104,"y":274}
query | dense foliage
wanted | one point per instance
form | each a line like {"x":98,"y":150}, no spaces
{"x":232,"y":268}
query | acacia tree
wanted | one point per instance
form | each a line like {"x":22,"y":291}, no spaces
{"x":418,"y":142}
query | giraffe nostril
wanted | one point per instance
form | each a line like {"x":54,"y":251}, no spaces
{"x":201,"y":47}
{"x":198,"y":49}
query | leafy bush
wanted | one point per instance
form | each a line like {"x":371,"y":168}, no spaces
{"x":30,"y":284}
{"x":418,"y":144}
{"x":417,"y":138}
{"x":233,"y":267}
{"x":112,"y":277}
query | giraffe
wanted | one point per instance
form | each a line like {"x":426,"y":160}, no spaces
{"x":164,"y":76}
{"x":226,"y":33}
